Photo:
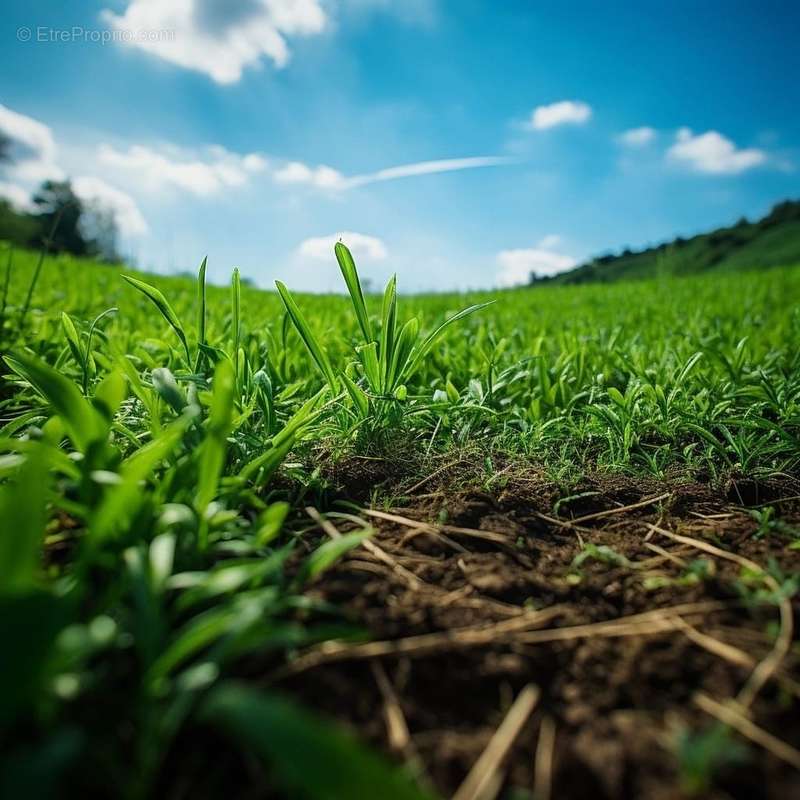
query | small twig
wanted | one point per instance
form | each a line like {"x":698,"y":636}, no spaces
{"x":396,"y":726}
{"x":325,"y":524}
{"x":543,"y":764}
{"x":410,"y":578}
{"x":726,"y":515}
{"x":730,"y":716}
{"x":610,"y":630}
{"x":483,"y":781}
{"x":416,"y":526}
{"x":499,"y":539}
{"x":666,"y":554}
{"x":507,"y":631}
{"x":419,"y":645}
{"x":715,"y":646}
{"x":772,"y":662}
{"x":613,"y":511}
{"x":561,"y":523}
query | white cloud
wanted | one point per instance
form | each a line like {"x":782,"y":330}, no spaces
{"x":323,"y":177}
{"x":637,"y":137}
{"x":201,"y":176}
{"x":18,"y":196}
{"x":367,"y":248}
{"x":516,"y":266}
{"x":218,"y":38}
{"x":126,"y":213}
{"x":564,"y":112}
{"x":713,"y":153}
{"x":26,"y":131}
{"x":33,"y":148}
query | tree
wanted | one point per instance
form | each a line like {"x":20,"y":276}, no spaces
{"x":98,"y":227}
{"x":59,"y":212}
{"x":61,"y":222}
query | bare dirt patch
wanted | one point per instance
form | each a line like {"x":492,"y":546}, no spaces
{"x":630,"y":635}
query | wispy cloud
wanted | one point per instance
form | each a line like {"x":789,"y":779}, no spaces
{"x":326,"y":177}
{"x":426,"y":168}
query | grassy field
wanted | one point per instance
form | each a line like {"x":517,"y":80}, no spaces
{"x":195,"y":477}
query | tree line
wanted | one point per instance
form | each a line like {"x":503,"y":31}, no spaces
{"x":59,"y":220}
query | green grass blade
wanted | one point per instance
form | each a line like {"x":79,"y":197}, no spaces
{"x":265,"y":398}
{"x":122,"y":500}
{"x":402,"y":350}
{"x":432,"y":338}
{"x":110,"y":394}
{"x":236,"y":305}
{"x":196,"y":635}
{"x":167,"y":388}
{"x":327,"y":554}
{"x":368,"y":353}
{"x":215,"y":444}
{"x":348,"y":268}
{"x":161,"y":303}
{"x":388,"y":330}
{"x":201,"y":303}
{"x":357,"y":395}
{"x":89,"y":339}
{"x":82,"y":422}
{"x":73,"y":340}
{"x":302,"y":327}
{"x":263,"y":466}
{"x":124,"y":365}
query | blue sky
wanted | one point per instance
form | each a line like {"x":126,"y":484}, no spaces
{"x":257,"y":131}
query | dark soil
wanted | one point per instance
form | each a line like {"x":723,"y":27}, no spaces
{"x":620,"y":705}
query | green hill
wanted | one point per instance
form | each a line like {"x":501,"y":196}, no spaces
{"x":768,"y":242}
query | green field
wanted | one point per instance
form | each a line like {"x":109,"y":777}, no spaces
{"x":162,"y":441}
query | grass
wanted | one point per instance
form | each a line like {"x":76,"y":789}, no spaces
{"x":149,"y":425}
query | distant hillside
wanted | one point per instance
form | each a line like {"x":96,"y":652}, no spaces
{"x":771,"y":241}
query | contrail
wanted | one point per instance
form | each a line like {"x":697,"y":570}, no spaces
{"x":426,"y":168}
